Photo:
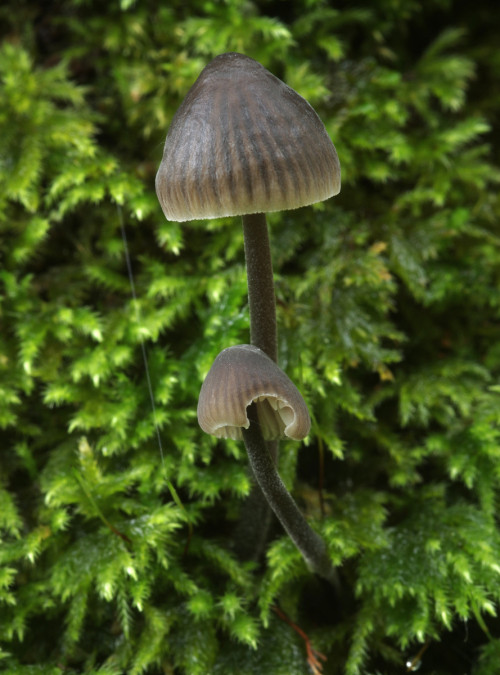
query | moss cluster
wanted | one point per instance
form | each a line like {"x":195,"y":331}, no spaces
{"x":118,"y":558}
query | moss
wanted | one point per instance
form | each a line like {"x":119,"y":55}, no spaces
{"x":117,"y":555}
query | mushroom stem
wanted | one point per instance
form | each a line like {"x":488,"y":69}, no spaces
{"x":261,"y":295}
{"x":309,"y":543}
{"x":261,"y":298}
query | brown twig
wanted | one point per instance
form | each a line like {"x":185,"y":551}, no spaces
{"x":313,"y":656}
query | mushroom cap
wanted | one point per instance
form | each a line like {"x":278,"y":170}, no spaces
{"x":244,"y":142}
{"x":242,"y":375}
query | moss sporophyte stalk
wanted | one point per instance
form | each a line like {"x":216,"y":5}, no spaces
{"x":244,"y":143}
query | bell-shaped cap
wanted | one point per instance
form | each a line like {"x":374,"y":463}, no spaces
{"x":244,"y":142}
{"x":243,"y":375}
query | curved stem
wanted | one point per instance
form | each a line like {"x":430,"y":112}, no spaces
{"x":261,"y":297}
{"x":263,"y":456}
{"x":309,"y":543}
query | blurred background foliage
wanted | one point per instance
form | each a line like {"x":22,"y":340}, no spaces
{"x":389,"y":323}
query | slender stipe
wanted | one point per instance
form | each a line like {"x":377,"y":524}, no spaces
{"x":309,"y":543}
{"x":261,"y":296}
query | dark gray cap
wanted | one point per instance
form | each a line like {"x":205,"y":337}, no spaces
{"x":244,"y":142}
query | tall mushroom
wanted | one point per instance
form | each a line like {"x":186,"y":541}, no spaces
{"x":244,"y":143}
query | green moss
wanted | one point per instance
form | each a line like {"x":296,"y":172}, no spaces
{"x":118,"y":558}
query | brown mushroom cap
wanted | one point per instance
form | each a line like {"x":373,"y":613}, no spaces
{"x":243,"y":142}
{"x":242,"y":375}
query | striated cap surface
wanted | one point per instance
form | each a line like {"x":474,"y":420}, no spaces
{"x":244,"y":142}
{"x":242,"y":375}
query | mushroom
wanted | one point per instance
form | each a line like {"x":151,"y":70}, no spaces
{"x":246,"y":395}
{"x":242,"y":375}
{"x":243,"y":143}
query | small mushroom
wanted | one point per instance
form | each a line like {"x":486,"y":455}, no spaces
{"x":246,"y":395}
{"x":242,"y":375}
